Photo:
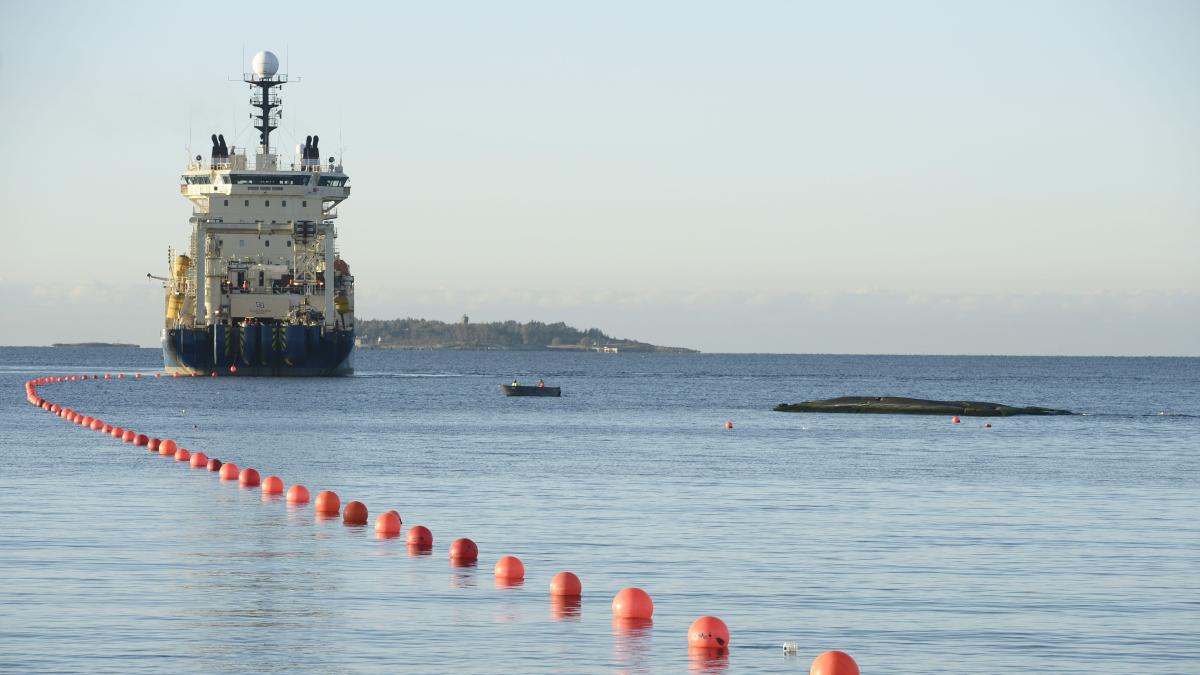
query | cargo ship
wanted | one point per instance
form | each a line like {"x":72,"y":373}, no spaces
{"x":261,"y":289}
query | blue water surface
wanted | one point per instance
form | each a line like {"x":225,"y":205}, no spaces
{"x":1042,"y":544}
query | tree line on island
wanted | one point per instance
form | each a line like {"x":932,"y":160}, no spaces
{"x":498,"y":335}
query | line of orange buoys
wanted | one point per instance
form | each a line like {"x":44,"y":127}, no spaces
{"x":708,"y":636}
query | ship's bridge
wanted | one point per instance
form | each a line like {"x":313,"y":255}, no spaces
{"x":315,"y":190}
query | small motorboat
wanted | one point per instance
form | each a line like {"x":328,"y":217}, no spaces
{"x":529,"y":390}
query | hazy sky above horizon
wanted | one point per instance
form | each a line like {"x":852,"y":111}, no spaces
{"x":880,"y":177}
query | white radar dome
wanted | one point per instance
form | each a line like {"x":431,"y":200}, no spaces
{"x":265,"y":64}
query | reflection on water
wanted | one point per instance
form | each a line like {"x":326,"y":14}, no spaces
{"x":564,"y":608}
{"x":505,"y":582}
{"x":464,"y":579}
{"x":702,"y":660}
{"x":632,"y":645}
{"x":417,"y":550}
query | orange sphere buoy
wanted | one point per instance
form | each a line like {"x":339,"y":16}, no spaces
{"x":129,"y":435}
{"x":355,"y":513}
{"x":509,"y":567}
{"x":388,"y":524}
{"x":955,"y":419}
{"x":248,"y":478}
{"x":199,"y":460}
{"x":182,"y":455}
{"x":632,"y":603}
{"x":214,"y":464}
{"x":157,"y":375}
{"x":152,"y":446}
{"x":420,"y":536}
{"x":167,"y":447}
{"x":272,"y":485}
{"x":464,"y":550}
{"x":121,"y":376}
{"x":228,"y":471}
{"x":708,"y":632}
{"x":729,"y":425}
{"x":117,"y":432}
{"x":987,"y":425}
{"x":566,"y":584}
{"x":233,"y":369}
{"x":327,"y":503}
{"x":175,"y":375}
{"x":397,"y":514}
{"x":297,"y":494}
{"x":141,"y":439}
{"x":833,"y":663}
{"x":214,"y":374}
{"x":96,"y":425}
{"x":138,"y":376}
{"x":106,"y":429}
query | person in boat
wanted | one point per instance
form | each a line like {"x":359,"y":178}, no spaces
{"x":541,"y":383}
{"x":515,"y":383}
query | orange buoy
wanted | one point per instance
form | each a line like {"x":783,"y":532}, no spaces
{"x":272,"y":485}
{"x":388,"y":524}
{"x":833,"y":663}
{"x":955,"y":419}
{"x":297,"y":494}
{"x":214,"y":464}
{"x":108,"y":376}
{"x":182,"y":455}
{"x":729,"y":424}
{"x":157,"y":375}
{"x":175,"y":375}
{"x":327,"y":503}
{"x":509,"y":567}
{"x":138,"y":376}
{"x":117,"y":432}
{"x":121,"y":376}
{"x":419,"y":536}
{"x":129,"y":435}
{"x":566,"y":584}
{"x":214,"y":374}
{"x":397,"y":513}
{"x":233,"y":369}
{"x":106,"y":429}
{"x":632,"y":603}
{"x":199,"y":460}
{"x":141,"y":439}
{"x":167,"y":447}
{"x":248,"y":478}
{"x":152,"y":446}
{"x":228,"y":471}
{"x":96,"y":425}
{"x":708,"y":632}
{"x":464,"y":550}
{"x":987,"y":425}
{"x":355,"y":513}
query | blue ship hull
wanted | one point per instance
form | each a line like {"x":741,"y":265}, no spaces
{"x":259,"y":350}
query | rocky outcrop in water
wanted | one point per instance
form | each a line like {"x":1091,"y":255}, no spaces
{"x":895,"y":405}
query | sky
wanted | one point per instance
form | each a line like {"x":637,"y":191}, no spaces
{"x":1009,"y":177}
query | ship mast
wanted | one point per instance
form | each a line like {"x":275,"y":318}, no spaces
{"x":263,"y":82}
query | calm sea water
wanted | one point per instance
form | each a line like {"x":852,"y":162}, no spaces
{"x":1061,"y":544}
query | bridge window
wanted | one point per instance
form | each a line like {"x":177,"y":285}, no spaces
{"x":226,"y":202}
{"x":333,"y":181}
{"x":268,"y":179}
{"x":267,"y":202}
{"x":284,"y":204}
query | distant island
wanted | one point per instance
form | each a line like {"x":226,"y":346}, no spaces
{"x":123,"y":345}
{"x":501,"y":335}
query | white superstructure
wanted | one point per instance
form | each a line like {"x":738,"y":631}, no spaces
{"x":263,"y":233}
